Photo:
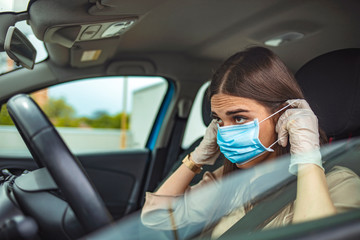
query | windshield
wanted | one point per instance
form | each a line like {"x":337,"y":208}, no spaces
{"x":13,"y":5}
{"x":245,"y":194}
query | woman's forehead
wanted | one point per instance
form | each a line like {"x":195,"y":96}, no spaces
{"x":225,"y":102}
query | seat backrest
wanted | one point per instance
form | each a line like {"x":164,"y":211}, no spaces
{"x":331,"y":84}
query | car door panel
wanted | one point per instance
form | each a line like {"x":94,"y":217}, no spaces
{"x":118,"y":176}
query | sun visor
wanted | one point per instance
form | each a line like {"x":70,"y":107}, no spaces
{"x":92,"y":53}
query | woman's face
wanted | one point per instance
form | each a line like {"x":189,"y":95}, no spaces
{"x":230,"y":110}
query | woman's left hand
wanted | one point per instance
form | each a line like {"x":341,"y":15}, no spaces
{"x":313,"y":199}
{"x":301,"y":126}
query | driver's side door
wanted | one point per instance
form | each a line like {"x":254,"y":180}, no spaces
{"x":108,"y":123}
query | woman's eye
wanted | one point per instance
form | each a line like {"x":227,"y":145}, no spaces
{"x":239,"y":120}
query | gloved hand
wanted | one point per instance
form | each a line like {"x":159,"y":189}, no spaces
{"x":301,"y":125}
{"x":208,"y":151}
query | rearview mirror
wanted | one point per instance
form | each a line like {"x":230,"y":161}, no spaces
{"x":19,"y":48}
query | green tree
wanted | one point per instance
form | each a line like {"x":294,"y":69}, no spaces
{"x":58,"y":108}
{"x":102,"y":119}
{"x":61,"y":113}
{"x":5,"y":118}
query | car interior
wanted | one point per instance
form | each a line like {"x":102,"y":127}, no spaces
{"x":182,"y":42}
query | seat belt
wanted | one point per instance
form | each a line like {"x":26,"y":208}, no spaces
{"x":267,"y":209}
{"x":175,"y":143}
{"x":184,"y":107}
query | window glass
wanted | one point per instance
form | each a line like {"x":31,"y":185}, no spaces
{"x":7,"y":64}
{"x":257,"y":198}
{"x":102,"y":114}
{"x":13,"y":5}
{"x":195,"y":127}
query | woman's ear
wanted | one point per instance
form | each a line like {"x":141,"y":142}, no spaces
{"x":277,"y":116}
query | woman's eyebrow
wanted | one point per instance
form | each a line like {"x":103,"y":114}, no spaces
{"x":240,"y":110}
{"x":231,"y":112}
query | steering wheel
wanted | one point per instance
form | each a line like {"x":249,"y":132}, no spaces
{"x":49,"y":150}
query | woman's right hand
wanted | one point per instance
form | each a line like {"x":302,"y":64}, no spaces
{"x":300,"y":124}
{"x":208,"y":151}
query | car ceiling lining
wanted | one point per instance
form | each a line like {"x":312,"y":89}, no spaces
{"x":207,"y":29}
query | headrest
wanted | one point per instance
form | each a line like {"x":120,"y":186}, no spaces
{"x":331,"y":84}
{"x":206,"y":108}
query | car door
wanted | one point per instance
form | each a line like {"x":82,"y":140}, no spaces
{"x":109,"y":123}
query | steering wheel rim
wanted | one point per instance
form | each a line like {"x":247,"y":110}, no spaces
{"x":37,"y":132}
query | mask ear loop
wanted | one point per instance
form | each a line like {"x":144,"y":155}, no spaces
{"x":278,"y":111}
{"x":275,"y":142}
{"x":274,"y":115}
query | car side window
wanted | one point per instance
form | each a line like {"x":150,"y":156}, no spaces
{"x":98,"y":114}
{"x":195,"y":127}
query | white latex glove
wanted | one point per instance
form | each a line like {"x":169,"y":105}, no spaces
{"x":301,"y":125}
{"x":208,"y":151}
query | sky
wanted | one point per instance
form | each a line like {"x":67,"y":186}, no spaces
{"x":103,"y":94}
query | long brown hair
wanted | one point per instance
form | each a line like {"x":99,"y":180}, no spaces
{"x":259,"y":74}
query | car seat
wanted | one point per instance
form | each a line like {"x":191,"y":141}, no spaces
{"x":331,"y":84}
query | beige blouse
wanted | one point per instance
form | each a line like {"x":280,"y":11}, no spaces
{"x":343,"y":184}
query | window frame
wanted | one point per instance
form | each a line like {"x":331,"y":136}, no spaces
{"x":158,"y":120}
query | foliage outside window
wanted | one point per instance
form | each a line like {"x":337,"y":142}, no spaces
{"x":61,"y":114}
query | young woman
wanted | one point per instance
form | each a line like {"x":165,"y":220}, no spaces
{"x":259,"y":114}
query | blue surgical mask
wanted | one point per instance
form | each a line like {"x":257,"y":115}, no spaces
{"x":240,"y":143}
